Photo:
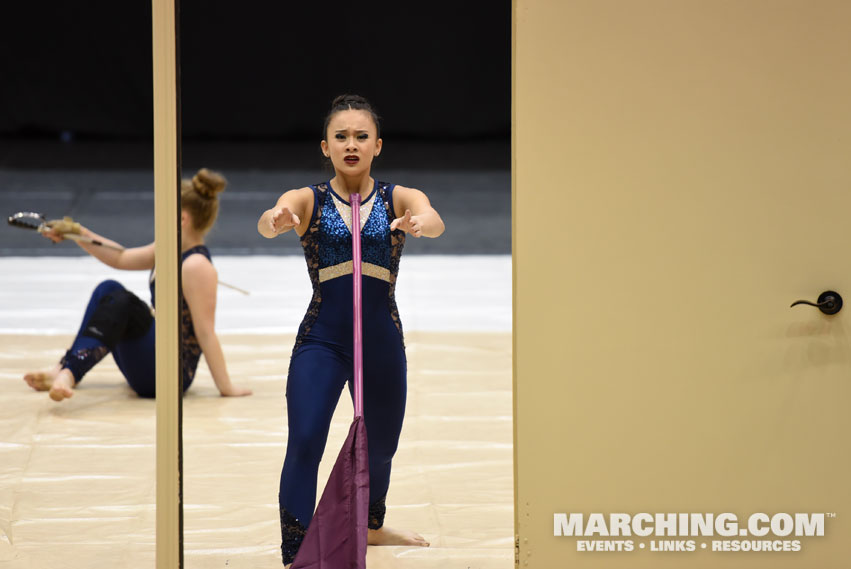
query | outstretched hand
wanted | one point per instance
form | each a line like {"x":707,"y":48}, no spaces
{"x":408,"y":223}
{"x":283,"y":219}
{"x":56,"y":229}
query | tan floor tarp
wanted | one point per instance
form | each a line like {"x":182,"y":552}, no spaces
{"x":77,"y":478}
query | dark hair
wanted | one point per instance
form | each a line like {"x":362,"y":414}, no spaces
{"x":199,"y":196}
{"x":351,"y":102}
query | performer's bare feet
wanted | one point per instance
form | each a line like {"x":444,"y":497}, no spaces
{"x":389,"y":536}
{"x":42,"y":380}
{"x":58,"y":381}
{"x":63,"y":385}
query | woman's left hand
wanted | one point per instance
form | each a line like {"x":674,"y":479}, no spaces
{"x":409,"y":224}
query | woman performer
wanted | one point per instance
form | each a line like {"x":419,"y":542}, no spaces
{"x":321,"y":361}
{"x":117,"y":321}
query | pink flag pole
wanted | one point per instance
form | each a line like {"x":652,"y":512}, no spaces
{"x":357,"y":304}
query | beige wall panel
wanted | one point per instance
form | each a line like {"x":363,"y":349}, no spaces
{"x":681,"y":177}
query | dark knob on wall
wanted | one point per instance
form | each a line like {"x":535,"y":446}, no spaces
{"x":828,"y":302}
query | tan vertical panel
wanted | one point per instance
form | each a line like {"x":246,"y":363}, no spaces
{"x":166,"y":208}
{"x":680,"y":177}
{"x":514,"y":227}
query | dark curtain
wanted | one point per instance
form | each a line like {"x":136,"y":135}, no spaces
{"x":258,"y":69}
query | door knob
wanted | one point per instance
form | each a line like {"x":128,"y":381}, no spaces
{"x":828,"y":302}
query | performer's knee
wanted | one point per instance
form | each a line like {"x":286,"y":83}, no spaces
{"x":107,"y":287}
{"x":119,"y":314}
{"x":305,"y":450}
{"x":382,"y":452}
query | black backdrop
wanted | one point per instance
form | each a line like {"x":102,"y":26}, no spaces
{"x":258,"y":69}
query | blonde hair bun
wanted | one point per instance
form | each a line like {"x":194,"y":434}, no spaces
{"x":208,"y":183}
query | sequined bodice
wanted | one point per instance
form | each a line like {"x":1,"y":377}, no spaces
{"x":327,"y":247}
{"x":335,"y":237}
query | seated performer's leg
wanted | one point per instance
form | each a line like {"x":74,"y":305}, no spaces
{"x":111,"y":315}
{"x":89,"y":346}
{"x":119,"y":316}
{"x":136,"y":358}
{"x":316,"y":378}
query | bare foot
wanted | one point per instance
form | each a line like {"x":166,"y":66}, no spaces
{"x":63,"y":385}
{"x":41,"y":380}
{"x":389,"y":536}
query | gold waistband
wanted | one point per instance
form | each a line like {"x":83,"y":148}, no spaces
{"x":368,"y":269}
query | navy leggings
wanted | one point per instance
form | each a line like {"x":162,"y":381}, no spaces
{"x":135,"y":358}
{"x":317,"y":375}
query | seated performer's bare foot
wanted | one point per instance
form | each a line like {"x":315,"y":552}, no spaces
{"x":59,"y":383}
{"x":42,"y":380}
{"x":389,"y":536}
{"x":63,"y":385}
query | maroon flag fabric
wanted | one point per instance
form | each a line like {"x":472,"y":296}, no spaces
{"x":337,"y":535}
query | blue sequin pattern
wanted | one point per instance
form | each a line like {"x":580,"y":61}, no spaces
{"x":335,"y":239}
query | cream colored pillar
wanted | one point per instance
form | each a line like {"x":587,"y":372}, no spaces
{"x":167,"y":213}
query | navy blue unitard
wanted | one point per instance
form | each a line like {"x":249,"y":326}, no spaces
{"x":321,"y":362}
{"x":134,"y":353}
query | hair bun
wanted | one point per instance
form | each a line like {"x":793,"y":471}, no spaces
{"x":208,"y":183}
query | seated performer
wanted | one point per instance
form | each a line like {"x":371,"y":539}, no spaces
{"x":117,"y":321}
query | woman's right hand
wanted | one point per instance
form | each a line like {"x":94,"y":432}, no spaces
{"x":287,"y":213}
{"x":58,"y":228}
{"x":282,"y":219}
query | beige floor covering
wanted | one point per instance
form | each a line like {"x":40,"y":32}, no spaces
{"x":77,"y":478}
